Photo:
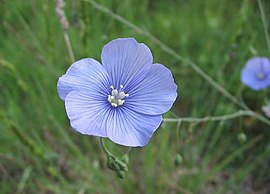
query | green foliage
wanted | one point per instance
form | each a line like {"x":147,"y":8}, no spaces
{"x":39,"y":151}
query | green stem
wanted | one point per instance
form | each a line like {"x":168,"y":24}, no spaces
{"x":103,"y":147}
{"x":264,"y":25}
{"x":177,"y":135}
{"x":69,"y":47}
{"x":239,"y":113}
{"x":108,"y":153}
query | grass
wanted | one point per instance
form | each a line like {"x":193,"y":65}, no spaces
{"x":39,"y":151}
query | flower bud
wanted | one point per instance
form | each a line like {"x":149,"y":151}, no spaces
{"x":178,"y":160}
{"x":242,"y":137}
{"x":120,"y":174}
{"x":121,"y":165}
{"x":111,"y":162}
{"x":125,"y":159}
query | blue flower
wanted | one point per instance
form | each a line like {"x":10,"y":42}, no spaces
{"x":122,"y":99}
{"x":256,"y":73}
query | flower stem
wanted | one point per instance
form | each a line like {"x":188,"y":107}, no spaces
{"x":116,"y":164}
{"x":64,"y":25}
{"x":211,"y":118}
{"x":239,"y":113}
{"x":103,"y":147}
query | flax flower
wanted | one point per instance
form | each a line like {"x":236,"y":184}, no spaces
{"x":256,"y":73}
{"x":122,"y":99}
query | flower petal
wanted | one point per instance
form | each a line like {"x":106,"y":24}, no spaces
{"x":124,"y":58}
{"x":87,"y":112}
{"x":85,"y":74}
{"x":154,"y":94}
{"x":256,"y":63}
{"x":129,"y":128}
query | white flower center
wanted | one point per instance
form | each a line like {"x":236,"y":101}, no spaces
{"x":261,"y":75}
{"x":116,"y":98}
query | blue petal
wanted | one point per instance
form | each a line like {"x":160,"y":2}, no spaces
{"x":256,"y":63}
{"x":129,"y":128}
{"x":154,"y":94}
{"x":124,"y":58}
{"x":87,"y":112}
{"x":86,"y":74}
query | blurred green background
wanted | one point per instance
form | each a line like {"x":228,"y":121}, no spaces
{"x":40,"y":153}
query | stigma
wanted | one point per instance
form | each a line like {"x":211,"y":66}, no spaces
{"x":116,"y":98}
{"x":261,"y":75}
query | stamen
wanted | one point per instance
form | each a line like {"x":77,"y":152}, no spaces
{"x":109,"y":98}
{"x":114,"y":92}
{"x":121,"y":102}
{"x":116,"y":98}
{"x":122,"y":95}
{"x":114,"y":104}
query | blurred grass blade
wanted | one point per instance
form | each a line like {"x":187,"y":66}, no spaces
{"x":27,"y":141}
{"x":24,"y":179}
